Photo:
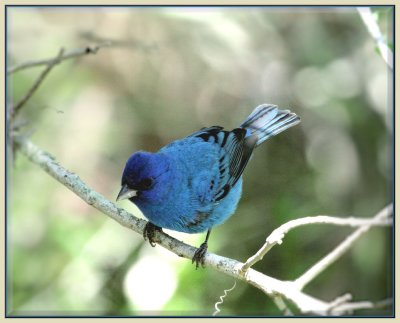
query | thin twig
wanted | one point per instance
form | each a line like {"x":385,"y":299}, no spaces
{"x":383,"y":303}
{"x":280,"y":303}
{"x":349,"y":308}
{"x":17,"y":107}
{"x":70,"y":54}
{"x":374,"y":30}
{"x":345,"y":245}
{"x":129,"y":43}
{"x":340,"y":300}
{"x":278,"y":234}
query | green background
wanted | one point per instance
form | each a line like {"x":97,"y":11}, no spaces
{"x":170,"y":72}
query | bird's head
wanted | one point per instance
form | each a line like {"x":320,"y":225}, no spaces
{"x":145,"y":177}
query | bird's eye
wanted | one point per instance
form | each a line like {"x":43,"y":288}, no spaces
{"x":146,"y":183}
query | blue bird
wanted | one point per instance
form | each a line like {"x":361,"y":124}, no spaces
{"x":195,"y":183}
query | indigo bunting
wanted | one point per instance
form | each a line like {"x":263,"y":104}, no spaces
{"x":195,"y":183}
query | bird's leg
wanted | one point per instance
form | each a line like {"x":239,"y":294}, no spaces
{"x":201,"y":252}
{"x":149,"y":231}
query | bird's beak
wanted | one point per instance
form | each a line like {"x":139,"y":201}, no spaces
{"x":126,"y":193}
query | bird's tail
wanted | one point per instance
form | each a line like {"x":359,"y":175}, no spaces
{"x":267,"y":120}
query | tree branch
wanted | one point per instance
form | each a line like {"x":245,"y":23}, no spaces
{"x":17,"y":107}
{"x":382,"y":217}
{"x":278,"y":234}
{"x":129,"y":43}
{"x":13,"y":110}
{"x":374,"y":30}
{"x":231,"y":267}
{"x":71,"y":54}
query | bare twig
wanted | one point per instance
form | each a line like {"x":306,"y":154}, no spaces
{"x":349,"y":308}
{"x":330,"y":258}
{"x":17,"y":107}
{"x":342,"y":299}
{"x":71,"y":54}
{"x":278,"y":234}
{"x":13,"y":110}
{"x":374,"y":30}
{"x":128,"y":43}
{"x":383,"y":303}
{"x":280,"y":303}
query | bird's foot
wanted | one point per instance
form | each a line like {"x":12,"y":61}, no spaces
{"x":199,"y":255}
{"x":148,"y":232}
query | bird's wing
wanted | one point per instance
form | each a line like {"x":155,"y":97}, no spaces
{"x":206,"y":132}
{"x":236,"y":150}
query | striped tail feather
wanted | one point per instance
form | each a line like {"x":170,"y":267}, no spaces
{"x":268,"y":120}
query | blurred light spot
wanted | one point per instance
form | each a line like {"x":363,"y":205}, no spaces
{"x":85,"y":275}
{"x":193,"y":13}
{"x":334,"y":114}
{"x":150,"y":283}
{"x":80,"y":279}
{"x":227,"y":41}
{"x":310,"y":85}
{"x":333,"y":155}
{"x":218,"y":21}
{"x":343,"y":79}
{"x":104,"y":250}
{"x":86,"y":123}
{"x":79,"y":285}
{"x":29,"y":230}
{"x":230,"y":32}
{"x":379,"y":94}
{"x":274,"y":80}
{"x":223,"y":26}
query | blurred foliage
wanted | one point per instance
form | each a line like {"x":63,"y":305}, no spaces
{"x":171,"y":72}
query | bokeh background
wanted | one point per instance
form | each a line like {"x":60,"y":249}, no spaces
{"x":170,"y":72}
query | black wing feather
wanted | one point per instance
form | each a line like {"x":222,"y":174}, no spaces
{"x":237,"y":147}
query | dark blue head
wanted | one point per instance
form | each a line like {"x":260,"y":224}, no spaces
{"x":145,"y":177}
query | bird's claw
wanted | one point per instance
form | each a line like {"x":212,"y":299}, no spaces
{"x":148,"y":232}
{"x":199,"y":255}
